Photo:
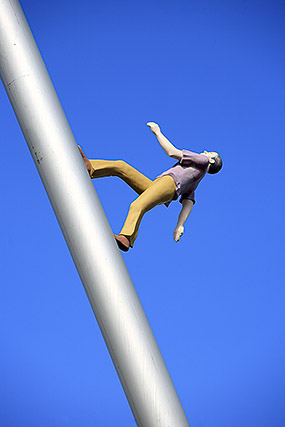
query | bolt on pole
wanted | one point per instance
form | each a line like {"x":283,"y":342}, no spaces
{"x":125,"y":328}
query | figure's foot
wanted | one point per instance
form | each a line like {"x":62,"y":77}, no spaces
{"x":154,"y":127}
{"x":86,"y":161}
{"x":123,"y":242}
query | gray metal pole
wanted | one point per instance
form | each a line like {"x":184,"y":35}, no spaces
{"x":125,"y":328}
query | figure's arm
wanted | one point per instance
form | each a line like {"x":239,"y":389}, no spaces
{"x":187,"y":206}
{"x":169,"y":148}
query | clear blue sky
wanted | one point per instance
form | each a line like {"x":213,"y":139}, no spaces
{"x":211,"y":73}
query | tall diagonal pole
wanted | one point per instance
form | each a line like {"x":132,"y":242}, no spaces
{"x":125,"y":328}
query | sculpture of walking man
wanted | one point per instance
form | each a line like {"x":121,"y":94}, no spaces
{"x":181,"y":179}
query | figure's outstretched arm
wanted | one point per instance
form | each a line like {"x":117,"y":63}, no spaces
{"x":187,"y":206}
{"x":168,"y":147}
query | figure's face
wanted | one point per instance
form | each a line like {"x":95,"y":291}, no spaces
{"x":210,"y":154}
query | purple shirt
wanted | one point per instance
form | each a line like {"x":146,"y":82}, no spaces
{"x":187,"y":173}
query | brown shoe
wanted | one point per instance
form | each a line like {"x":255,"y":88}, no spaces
{"x":122,"y":242}
{"x":86,"y":161}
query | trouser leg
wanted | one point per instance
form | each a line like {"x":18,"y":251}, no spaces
{"x":160,"y":191}
{"x":135,"y":179}
{"x":100,"y":168}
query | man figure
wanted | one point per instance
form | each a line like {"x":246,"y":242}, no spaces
{"x":180,"y":180}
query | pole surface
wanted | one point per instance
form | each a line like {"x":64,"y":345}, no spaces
{"x":113,"y":298}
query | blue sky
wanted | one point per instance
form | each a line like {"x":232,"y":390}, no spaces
{"x":211,"y":73}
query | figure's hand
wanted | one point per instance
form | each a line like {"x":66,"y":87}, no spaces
{"x":178,"y":232}
{"x":154,"y":127}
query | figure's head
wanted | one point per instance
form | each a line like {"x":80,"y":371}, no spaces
{"x":215,"y":161}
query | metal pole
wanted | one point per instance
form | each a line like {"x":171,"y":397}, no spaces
{"x":123,"y":323}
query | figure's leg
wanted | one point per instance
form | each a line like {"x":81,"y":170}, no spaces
{"x":101,"y":168}
{"x":135,"y":179}
{"x":160,"y":191}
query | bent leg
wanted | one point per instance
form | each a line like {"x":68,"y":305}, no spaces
{"x":135,"y":179}
{"x":160,"y":191}
{"x":101,"y":168}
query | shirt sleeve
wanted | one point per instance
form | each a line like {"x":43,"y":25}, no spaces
{"x":194,"y":159}
{"x":188,"y":196}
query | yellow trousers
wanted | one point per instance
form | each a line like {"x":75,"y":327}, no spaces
{"x":151,"y":193}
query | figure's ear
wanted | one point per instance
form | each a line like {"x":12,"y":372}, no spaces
{"x":212,"y":160}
